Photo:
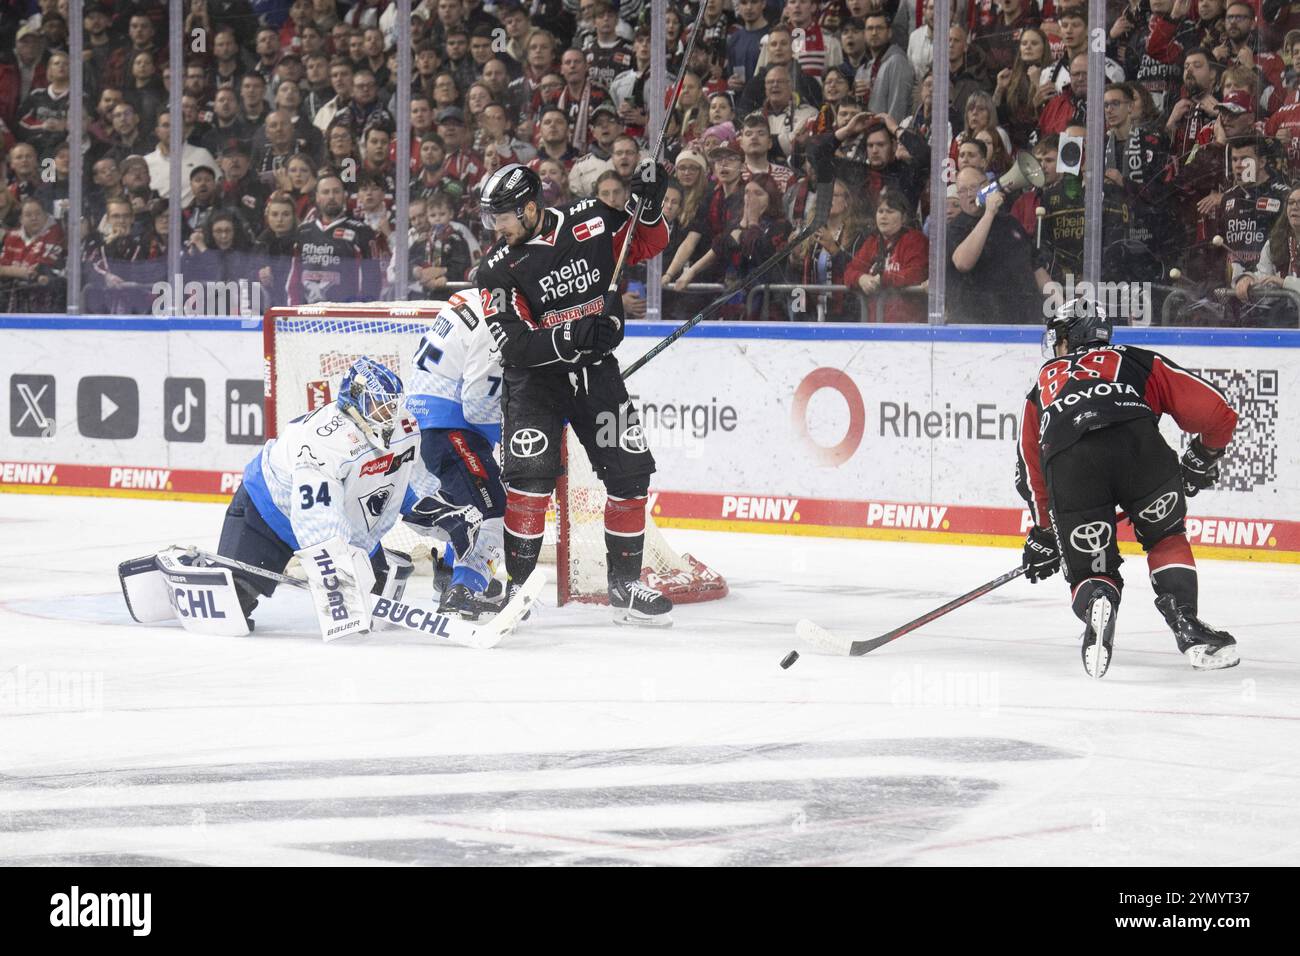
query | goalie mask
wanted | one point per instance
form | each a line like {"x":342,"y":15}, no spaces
{"x":1077,"y":323}
{"x":371,"y":395}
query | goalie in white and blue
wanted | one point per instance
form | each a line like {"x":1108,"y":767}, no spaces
{"x":335,"y":481}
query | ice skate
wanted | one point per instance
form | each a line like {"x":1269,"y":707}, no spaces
{"x":1205,"y":648}
{"x":1098,"y":635}
{"x":636,"y":604}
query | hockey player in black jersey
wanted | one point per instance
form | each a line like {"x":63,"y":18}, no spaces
{"x":544,"y":286}
{"x":1090,"y":442}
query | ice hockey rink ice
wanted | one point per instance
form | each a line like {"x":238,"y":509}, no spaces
{"x":976,"y":740}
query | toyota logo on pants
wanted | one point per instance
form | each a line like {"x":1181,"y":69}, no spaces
{"x":528,"y":443}
{"x":1091,"y":538}
{"x":1160,"y":508}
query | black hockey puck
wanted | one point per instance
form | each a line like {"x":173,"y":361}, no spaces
{"x":789,"y":659}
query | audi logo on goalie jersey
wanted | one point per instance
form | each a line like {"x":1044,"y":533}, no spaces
{"x":1091,"y":538}
{"x":1160,"y":508}
{"x":528,"y":443}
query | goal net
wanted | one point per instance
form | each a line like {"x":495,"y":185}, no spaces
{"x":307,"y":350}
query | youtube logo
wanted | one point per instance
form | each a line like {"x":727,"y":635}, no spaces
{"x":108,"y":406}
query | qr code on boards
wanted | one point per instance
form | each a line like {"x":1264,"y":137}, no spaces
{"x":1251,"y":461}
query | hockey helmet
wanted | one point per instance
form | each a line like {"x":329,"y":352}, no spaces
{"x":1077,"y":323}
{"x":371,"y":395}
{"x":509,"y":189}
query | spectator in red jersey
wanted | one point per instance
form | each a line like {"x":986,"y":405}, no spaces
{"x":1069,"y":107}
{"x":817,"y":50}
{"x":896,"y":258}
{"x":32,"y":260}
{"x":1174,"y":33}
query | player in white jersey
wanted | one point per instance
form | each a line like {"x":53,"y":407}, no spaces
{"x":338,"y":478}
{"x":455,"y":395}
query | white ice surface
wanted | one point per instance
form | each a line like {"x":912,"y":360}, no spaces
{"x":975,"y":740}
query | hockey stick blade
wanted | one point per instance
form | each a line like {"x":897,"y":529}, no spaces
{"x":491,"y":633}
{"x":820,"y":637}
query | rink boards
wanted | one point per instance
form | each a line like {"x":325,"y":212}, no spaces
{"x":883,"y":432}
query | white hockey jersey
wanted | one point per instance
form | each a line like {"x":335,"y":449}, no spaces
{"x":455,"y":380}
{"x":323,"y":477}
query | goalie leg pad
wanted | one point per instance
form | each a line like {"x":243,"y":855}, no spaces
{"x":204,"y":599}
{"x":145,"y":590}
{"x":340,"y":579}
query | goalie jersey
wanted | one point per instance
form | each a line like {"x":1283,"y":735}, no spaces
{"x":455,"y":380}
{"x":323,"y":477}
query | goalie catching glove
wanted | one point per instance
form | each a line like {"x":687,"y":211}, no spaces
{"x":1041,"y":558}
{"x":456,"y":523}
{"x":1200,"y":467}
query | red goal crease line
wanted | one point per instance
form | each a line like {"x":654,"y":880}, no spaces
{"x":1243,"y":539}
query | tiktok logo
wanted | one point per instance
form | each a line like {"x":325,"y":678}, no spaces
{"x":184,"y":414}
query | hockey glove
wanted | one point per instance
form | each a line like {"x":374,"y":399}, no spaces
{"x":1041,"y":558}
{"x":455,"y":523}
{"x":1200,"y":467}
{"x":650,"y":181}
{"x":597,"y":333}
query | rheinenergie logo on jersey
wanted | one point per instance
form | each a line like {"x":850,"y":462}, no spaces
{"x":577,"y":276}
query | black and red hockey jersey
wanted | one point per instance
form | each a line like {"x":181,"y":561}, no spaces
{"x":560,"y":275}
{"x":334,"y":262}
{"x":1103,"y":385}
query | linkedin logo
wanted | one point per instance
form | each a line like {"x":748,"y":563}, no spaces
{"x":245,"y":415}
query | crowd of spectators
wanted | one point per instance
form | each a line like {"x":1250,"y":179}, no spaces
{"x":289,"y":111}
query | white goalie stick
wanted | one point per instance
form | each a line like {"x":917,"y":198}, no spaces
{"x":412,"y":615}
{"x":822,"y":159}
{"x":818,"y":636}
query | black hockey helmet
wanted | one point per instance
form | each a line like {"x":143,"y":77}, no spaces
{"x":1077,"y":323}
{"x":509,"y":189}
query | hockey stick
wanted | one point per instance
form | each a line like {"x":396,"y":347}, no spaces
{"x":654,"y":158}
{"x":221,"y":561}
{"x":821,"y":213}
{"x":820,"y":637}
